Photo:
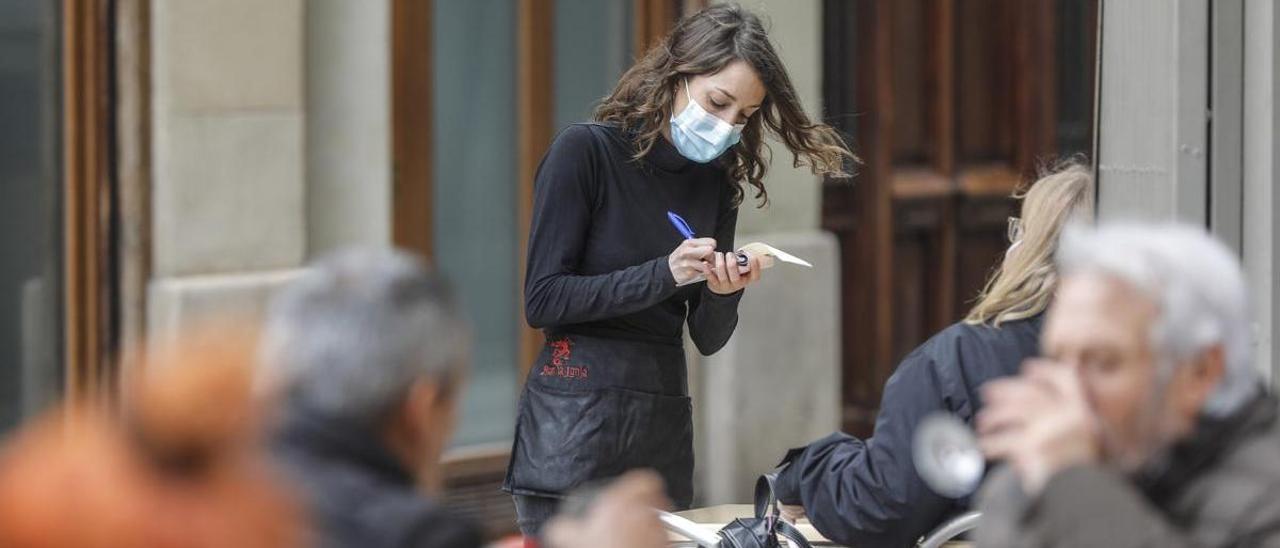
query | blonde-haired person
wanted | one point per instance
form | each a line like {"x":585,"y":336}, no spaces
{"x":867,"y":493}
{"x":1024,"y":284}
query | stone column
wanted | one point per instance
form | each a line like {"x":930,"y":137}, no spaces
{"x":1261,"y":167}
{"x":1153,"y":145}
{"x":272,"y":145}
{"x":348,"y":111}
{"x":228,"y":191}
{"x":776,"y":384}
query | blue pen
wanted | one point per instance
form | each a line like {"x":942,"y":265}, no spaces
{"x":687,"y":231}
{"x":681,"y":226}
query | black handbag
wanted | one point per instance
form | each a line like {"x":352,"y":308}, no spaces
{"x":763,"y":530}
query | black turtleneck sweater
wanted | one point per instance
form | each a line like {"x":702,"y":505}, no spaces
{"x":600,"y":239}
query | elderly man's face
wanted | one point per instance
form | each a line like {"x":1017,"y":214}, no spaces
{"x":1102,"y":328}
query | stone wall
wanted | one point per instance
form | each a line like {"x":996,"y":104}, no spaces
{"x":776,"y":384}
{"x":1261,"y":165}
{"x":270,"y":131}
{"x":348,"y":124}
{"x":1179,"y":138}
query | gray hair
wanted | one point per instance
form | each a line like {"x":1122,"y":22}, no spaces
{"x":1196,"y":284}
{"x":351,"y":334}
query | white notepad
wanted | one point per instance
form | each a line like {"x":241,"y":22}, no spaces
{"x":767,"y":255}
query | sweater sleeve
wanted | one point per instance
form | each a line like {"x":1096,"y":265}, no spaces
{"x":867,"y":493}
{"x":713,"y":317}
{"x":556,"y":293}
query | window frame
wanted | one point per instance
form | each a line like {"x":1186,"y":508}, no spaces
{"x":90,"y":338}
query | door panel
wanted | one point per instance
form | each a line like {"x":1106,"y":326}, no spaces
{"x":951,"y":105}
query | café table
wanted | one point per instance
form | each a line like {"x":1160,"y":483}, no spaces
{"x":713,"y":518}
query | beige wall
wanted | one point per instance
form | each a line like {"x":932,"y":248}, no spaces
{"x":776,"y":384}
{"x":1153,"y":115}
{"x":228,"y":136}
{"x":1160,"y":156}
{"x":271,"y":128}
{"x":348,"y":124}
{"x":228,"y":185}
{"x":795,"y":194}
{"x":1260,"y":173}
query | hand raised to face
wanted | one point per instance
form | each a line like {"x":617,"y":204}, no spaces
{"x":1040,"y":422}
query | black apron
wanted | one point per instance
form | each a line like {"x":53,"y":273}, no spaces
{"x":593,"y":408}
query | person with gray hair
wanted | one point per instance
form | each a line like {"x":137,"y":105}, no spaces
{"x":1145,"y":424}
{"x":368,"y":352}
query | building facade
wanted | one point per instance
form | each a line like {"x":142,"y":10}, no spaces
{"x":167,"y":161}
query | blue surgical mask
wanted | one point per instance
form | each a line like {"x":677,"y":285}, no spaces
{"x":701,"y":136}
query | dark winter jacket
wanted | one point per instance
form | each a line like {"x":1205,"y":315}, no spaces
{"x":866,"y":493}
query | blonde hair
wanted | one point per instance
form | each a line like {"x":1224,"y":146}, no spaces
{"x":1027,"y":278}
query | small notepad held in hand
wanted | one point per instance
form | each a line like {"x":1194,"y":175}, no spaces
{"x":766,"y":254}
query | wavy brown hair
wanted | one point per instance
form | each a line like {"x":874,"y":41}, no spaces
{"x":705,"y":43}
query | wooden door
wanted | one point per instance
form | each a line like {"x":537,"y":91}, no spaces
{"x":951,"y":105}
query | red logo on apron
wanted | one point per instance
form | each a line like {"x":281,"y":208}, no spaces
{"x":561,"y":352}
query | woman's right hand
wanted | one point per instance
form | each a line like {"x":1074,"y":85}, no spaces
{"x":687,"y":261}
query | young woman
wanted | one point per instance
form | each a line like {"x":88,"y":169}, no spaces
{"x":612,"y":282}
{"x":868,"y":493}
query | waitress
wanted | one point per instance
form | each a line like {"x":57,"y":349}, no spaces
{"x":612,"y":283}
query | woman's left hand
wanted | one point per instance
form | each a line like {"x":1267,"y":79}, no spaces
{"x":723,"y":276}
